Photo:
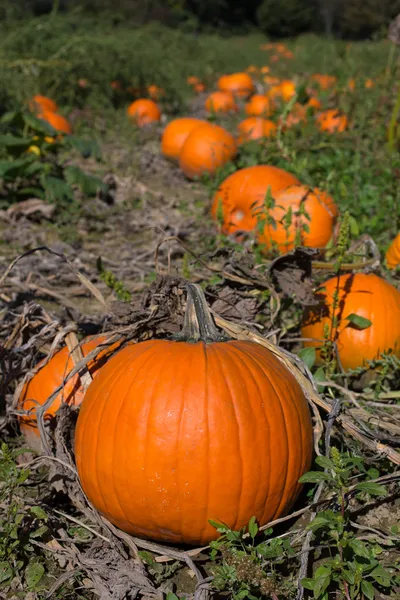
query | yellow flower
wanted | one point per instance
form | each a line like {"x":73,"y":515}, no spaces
{"x":49,"y":140}
{"x":34,"y":150}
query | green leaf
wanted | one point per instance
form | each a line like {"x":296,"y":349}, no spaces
{"x":308,"y":583}
{"x":85,"y":147}
{"x":325,"y":462}
{"x":322,"y":580}
{"x":381,"y":576}
{"x":219,"y":526}
{"x":253,"y":527}
{"x":15,"y":168}
{"x":33,"y":574}
{"x":39,"y":125}
{"x":358,"y":321}
{"x":87,"y":183}
{"x":314,"y":477}
{"x":348,"y":576}
{"x":172,"y":596}
{"x":308,"y":356}
{"x":374,"y":489}
{"x":57,"y":190}
{"x":39,"y":513}
{"x":12,"y":141}
{"x":6,"y":572}
{"x":368,"y":590}
{"x":359,"y":548}
{"x":39,"y":532}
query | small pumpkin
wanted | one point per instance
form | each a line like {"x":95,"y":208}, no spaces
{"x":393,"y":253}
{"x":362,"y":295}
{"x":369,"y":83}
{"x":325,"y":82}
{"x":39,"y":104}
{"x":258,"y":106}
{"x":255,"y":128}
{"x":199,"y":87}
{"x":57,"y":121}
{"x":175,"y":134}
{"x":296,"y":116}
{"x":155,"y":92}
{"x":152,"y":454}
{"x":48,"y":378}
{"x":220,"y":102}
{"x":240,"y":195}
{"x":144,"y":112}
{"x":301,"y":216}
{"x":206,"y":149}
{"x":331,"y":121}
{"x":240,"y":85}
{"x":313,"y":103}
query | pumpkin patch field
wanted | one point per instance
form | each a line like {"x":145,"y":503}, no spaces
{"x":199,"y":313}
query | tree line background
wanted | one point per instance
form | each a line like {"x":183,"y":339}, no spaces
{"x":355,"y":19}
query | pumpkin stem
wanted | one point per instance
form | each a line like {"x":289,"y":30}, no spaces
{"x":198,"y":324}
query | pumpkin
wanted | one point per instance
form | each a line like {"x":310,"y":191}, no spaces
{"x":297,"y":115}
{"x":367,"y":296}
{"x":351,"y":84}
{"x":252,"y":69}
{"x":301,"y":216}
{"x":174,"y":433}
{"x":239,"y":84}
{"x":40,"y":104}
{"x":369,"y":84}
{"x":264,"y":70}
{"x":393,"y":253}
{"x":175,"y":134}
{"x":324,"y":81}
{"x":255,"y":128}
{"x":144,"y":112}
{"x":220,"y":102}
{"x":48,"y":378}
{"x":313,"y":103}
{"x":199,"y":87}
{"x":192,"y":80}
{"x":57,"y":121}
{"x":206,"y":149}
{"x":331,"y":121}
{"x":155,"y":92}
{"x":241,"y":195}
{"x":258,"y":106}
{"x":270,"y":80}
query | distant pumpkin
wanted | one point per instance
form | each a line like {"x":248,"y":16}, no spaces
{"x":362,"y":295}
{"x":57,"y":121}
{"x":259,"y":105}
{"x":175,"y":134}
{"x":144,"y":112}
{"x":393,"y":253}
{"x":325,"y":82}
{"x":255,"y":128}
{"x":301,"y":216}
{"x":40,"y":104}
{"x":206,"y":149}
{"x":241,"y":195}
{"x":221,"y":102}
{"x":239,"y":84}
{"x":331,"y":121}
{"x":155,"y":92}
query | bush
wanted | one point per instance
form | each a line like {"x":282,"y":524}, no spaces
{"x":286,"y":17}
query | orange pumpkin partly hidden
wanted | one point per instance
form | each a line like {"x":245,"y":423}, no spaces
{"x":331,"y":121}
{"x":393,"y":253}
{"x":297,"y":115}
{"x":40,"y":104}
{"x":239,"y":84}
{"x":301,"y":217}
{"x":175,"y":134}
{"x":255,"y":128}
{"x":206,"y":149}
{"x":48,"y":378}
{"x":220,"y":102}
{"x":258,"y":106}
{"x":57,"y":121}
{"x":285,"y":90}
{"x":240,"y":196}
{"x":172,"y":434}
{"x":144,"y":112}
{"x":364,"y":296}
{"x":155,"y":92}
{"x":324,"y":81}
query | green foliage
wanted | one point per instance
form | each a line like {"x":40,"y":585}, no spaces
{"x":113,"y":283}
{"x":285,"y":17}
{"x":20,"y":527}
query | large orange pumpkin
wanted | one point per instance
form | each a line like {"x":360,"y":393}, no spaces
{"x":175,"y":134}
{"x":172,"y":434}
{"x":241,"y":195}
{"x":255,"y":128}
{"x":258,"y":106}
{"x":331,"y":121}
{"x":301,"y":216}
{"x":393,"y":253}
{"x":367,"y":296}
{"x":206,"y":149}
{"x":39,"y":104}
{"x":220,"y":102}
{"x":48,"y":378}
{"x":239,"y":84}
{"x":144,"y":112}
{"x":57,"y":121}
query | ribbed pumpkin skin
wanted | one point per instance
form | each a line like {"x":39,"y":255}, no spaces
{"x":42,"y":103}
{"x":221,"y":102}
{"x":393,"y":253}
{"x":240,"y":84}
{"x":171,"y":434}
{"x":331,"y":121}
{"x":57,"y":121}
{"x":206,"y":148}
{"x":48,"y":379}
{"x":175,"y":134}
{"x":321,"y":209}
{"x":244,"y":190}
{"x":255,"y":128}
{"x":144,"y":111}
{"x":369,"y":296}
